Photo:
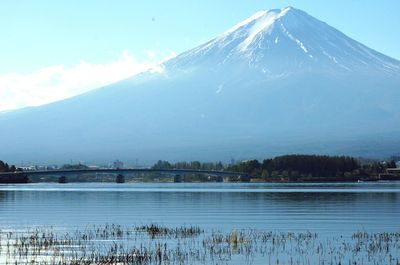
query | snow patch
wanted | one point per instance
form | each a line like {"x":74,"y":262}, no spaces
{"x":298,"y":42}
{"x":285,"y":10}
{"x":330,"y":57}
{"x":301,"y":45}
{"x":333,"y":58}
{"x":277,"y":13}
{"x":264,"y":23}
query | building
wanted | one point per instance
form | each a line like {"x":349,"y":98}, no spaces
{"x":391,"y":174}
{"x":395,"y":171}
{"x":118,"y":164}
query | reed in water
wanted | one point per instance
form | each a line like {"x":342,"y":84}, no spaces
{"x":155,"y":244}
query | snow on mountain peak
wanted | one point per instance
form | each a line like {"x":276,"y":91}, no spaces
{"x":287,"y":39}
{"x":247,"y":31}
{"x":263,"y":23}
{"x":260,"y":21}
{"x":246,"y":21}
{"x":286,"y":9}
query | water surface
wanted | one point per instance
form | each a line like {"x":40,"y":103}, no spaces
{"x":328,"y":209}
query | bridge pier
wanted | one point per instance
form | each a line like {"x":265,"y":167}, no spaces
{"x":178,"y":179}
{"x":244,"y":178}
{"x":62,"y":179}
{"x":120,"y":178}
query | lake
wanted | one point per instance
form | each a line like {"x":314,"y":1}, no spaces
{"x":326,"y":209}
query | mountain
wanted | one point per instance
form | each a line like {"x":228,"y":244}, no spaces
{"x":279,"y":82}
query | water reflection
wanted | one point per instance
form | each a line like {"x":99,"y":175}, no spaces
{"x":316,"y":207}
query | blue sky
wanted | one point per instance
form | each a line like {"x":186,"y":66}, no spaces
{"x":74,"y":38}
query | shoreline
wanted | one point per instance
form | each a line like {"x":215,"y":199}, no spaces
{"x":319,"y":181}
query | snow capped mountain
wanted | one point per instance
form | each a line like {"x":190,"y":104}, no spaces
{"x":288,"y":39}
{"x":279,"y":82}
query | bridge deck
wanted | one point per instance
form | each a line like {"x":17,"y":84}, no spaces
{"x":63,"y":172}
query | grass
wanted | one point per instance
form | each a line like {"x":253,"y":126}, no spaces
{"x":155,"y":244}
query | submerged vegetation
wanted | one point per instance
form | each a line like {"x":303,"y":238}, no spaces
{"x":154,"y":244}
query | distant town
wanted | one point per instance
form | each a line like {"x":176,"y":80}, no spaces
{"x":115,"y":164}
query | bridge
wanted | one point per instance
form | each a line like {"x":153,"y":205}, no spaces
{"x":63,"y":173}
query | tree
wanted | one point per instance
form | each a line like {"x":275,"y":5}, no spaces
{"x":162,"y":165}
{"x":391,"y":164}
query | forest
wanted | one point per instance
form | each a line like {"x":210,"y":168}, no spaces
{"x":5,"y":168}
{"x":294,"y":168}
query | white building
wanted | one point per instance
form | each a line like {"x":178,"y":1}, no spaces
{"x":118,"y":164}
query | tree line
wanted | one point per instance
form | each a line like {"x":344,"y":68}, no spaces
{"x":9,"y":178}
{"x":292,"y":167}
{"x":4,"y":167}
{"x":197,"y":165}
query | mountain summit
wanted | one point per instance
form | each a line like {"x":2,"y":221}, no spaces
{"x":279,"y":82}
{"x":289,"y":39}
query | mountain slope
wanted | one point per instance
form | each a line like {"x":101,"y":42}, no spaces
{"x":278,"y":82}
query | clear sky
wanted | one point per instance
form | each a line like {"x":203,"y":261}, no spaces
{"x":55,"y":49}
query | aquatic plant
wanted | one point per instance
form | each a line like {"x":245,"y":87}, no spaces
{"x":156,"y":244}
